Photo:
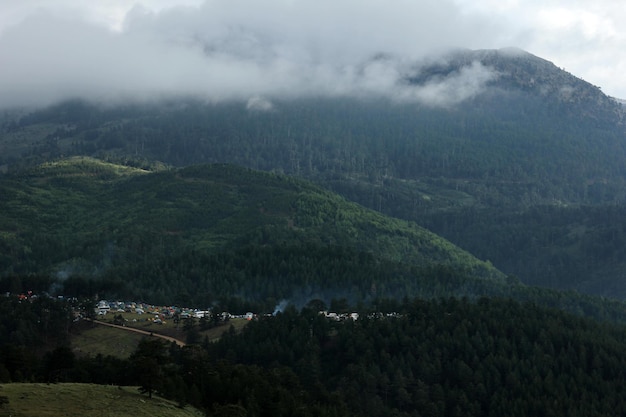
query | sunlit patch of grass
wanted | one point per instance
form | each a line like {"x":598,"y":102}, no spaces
{"x":82,"y":165}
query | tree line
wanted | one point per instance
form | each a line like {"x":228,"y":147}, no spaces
{"x":416,"y":357}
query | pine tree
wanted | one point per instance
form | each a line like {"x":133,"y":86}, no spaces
{"x":147,"y":362}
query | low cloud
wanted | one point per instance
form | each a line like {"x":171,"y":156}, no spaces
{"x":225,"y":50}
{"x":259,"y":104}
{"x":454,"y":88}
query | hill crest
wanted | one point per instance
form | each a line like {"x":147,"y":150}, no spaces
{"x":176,"y":227}
{"x":517,"y":71}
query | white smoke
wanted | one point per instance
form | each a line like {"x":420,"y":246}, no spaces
{"x":280,"y":307}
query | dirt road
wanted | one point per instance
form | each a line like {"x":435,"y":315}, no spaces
{"x":147,"y":333}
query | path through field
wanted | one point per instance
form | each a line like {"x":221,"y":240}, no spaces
{"x":147,"y":333}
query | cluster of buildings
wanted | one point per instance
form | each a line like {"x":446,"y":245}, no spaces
{"x":164,"y":312}
{"x":340,"y":316}
{"x":168,"y":312}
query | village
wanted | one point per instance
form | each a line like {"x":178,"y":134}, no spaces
{"x":172,"y":322}
{"x":160,"y":314}
{"x":141,"y":311}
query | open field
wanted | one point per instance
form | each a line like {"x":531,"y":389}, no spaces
{"x":93,"y":339}
{"x":85,"y":400}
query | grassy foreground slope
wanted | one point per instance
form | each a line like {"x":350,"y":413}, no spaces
{"x":215,"y":229}
{"x":85,"y":400}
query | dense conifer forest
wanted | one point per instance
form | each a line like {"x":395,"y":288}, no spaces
{"x":443,"y":357}
{"x":199,"y":234}
{"x":507,"y":165}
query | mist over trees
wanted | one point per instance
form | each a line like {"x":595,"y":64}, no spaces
{"x":232,"y":206}
{"x":526,"y":151}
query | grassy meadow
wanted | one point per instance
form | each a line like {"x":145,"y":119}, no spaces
{"x":93,"y":339}
{"x":84,"y":400}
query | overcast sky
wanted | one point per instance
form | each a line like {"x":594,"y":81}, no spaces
{"x":255,"y":49}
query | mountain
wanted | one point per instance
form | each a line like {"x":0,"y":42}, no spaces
{"x":200,"y":234}
{"x":503,"y":153}
{"x":518,"y":72}
{"x":528,"y":131}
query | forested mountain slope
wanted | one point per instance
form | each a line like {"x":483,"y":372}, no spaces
{"x":526,"y":138}
{"x":203,"y":233}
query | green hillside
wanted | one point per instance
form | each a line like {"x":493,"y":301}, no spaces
{"x":535,"y":139}
{"x":85,"y":400}
{"x":200,"y":233}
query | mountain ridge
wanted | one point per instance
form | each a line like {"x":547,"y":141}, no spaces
{"x":85,"y":218}
{"x":529,"y":141}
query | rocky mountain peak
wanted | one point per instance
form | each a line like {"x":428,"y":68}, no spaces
{"x":519,"y":72}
